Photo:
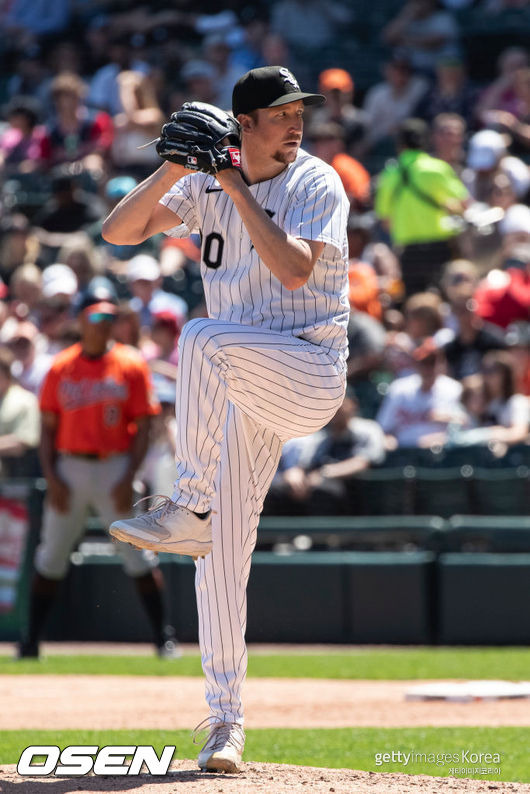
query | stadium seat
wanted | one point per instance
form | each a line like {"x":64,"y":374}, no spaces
{"x":500,"y":491}
{"x":385,"y":491}
{"x":353,"y":532}
{"x":443,"y":492}
{"x":487,"y":533}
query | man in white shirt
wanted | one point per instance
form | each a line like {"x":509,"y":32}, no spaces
{"x":422,"y":404}
{"x":389,"y":103}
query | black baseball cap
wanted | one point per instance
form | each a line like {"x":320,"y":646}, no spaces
{"x":267,"y":87}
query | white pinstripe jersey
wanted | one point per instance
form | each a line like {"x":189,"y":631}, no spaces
{"x":306,"y":200}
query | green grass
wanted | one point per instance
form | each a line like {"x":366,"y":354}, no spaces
{"x":351,"y":748}
{"x":387,"y":663}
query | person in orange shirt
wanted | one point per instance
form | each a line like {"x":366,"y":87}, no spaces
{"x":364,"y":289}
{"x":328,"y":143}
{"x":96,"y":404}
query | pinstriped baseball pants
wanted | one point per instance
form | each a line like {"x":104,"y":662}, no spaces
{"x":241,"y":392}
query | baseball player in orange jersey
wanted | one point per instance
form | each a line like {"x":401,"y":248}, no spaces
{"x":268,"y":364}
{"x":96,"y":404}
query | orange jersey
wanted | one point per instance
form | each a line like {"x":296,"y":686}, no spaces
{"x":97,"y":400}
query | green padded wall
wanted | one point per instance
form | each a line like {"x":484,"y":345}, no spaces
{"x":484,"y":598}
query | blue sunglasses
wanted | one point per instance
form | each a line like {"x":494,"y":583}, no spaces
{"x":100,"y":317}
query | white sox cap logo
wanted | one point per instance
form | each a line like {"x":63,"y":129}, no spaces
{"x":288,"y":77}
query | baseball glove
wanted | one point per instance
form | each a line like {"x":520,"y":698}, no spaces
{"x":201,"y":137}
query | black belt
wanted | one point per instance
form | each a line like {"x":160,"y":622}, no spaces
{"x":91,"y":455}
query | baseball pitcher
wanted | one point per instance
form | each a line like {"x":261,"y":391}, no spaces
{"x":268,"y":364}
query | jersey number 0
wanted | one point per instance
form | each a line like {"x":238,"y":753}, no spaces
{"x":213,"y":250}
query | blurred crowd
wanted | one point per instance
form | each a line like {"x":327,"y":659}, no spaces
{"x":435,"y":162}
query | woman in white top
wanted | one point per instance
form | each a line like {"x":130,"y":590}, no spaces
{"x":137,"y":124}
{"x":508,"y":412}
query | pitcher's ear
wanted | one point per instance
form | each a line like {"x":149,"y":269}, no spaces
{"x":246,"y":121}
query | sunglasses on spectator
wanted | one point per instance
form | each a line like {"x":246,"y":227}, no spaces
{"x":101,"y":317}
{"x":459,"y":278}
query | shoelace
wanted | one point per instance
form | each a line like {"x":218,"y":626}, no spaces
{"x":223,"y":733}
{"x":163,"y":505}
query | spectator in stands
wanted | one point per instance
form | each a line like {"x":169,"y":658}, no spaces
{"x":76,"y":134}
{"x":21,"y":140}
{"x":38,"y":18}
{"x":165,"y":334}
{"x":487,"y":156}
{"x":473,"y":401}
{"x":59,"y":286}
{"x":471,"y":341}
{"x":199,"y":81}
{"x":69,"y":209}
{"x":389,"y":103}
{"x":309,"y":25}
{"x":25,"y":291}
{"x":501,"y":95}
{"x":467,"y":426}
{"x":423,"y":317}
{"x":451,"y":93}
{"x":517,"y":123}
{"x":364,"y":247}
{"x":364,"y":289}
{"x":366,"y":339}
{"x":80,"y":254}
{"x":18,"y":245}
{"x":328,"y":143}
{"x":59,"y":281}
{"x":424,"y":32}
{"x":137,"y":124}
{"x":19,"y":418}
{"x":415,"y":199}
{"x":126,"y":326}
{"x":459,"y":281}
{"x":518,"y":342}
{"x":448,"y":139}
{"x":247,"y":51}
{"x":507,"y":411}
{"x":515,"y":229}
{"x":274,"y":49}
{"x":104,"y":91}
{"x":502,"y":193}
{"x":418,"y":405}
{"x":317,"y":478}
{"x":217,"y":52}
{"x":114,"y":255}
{"x":503,"y":296}
{"x":28,"y":74}
{"x":338,"y":88}
{"x":145,"y":279}
{"x":30,"y":366}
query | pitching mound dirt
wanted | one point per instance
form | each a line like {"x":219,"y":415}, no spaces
{"x":255,"y":779}
{"x":117,"y":702}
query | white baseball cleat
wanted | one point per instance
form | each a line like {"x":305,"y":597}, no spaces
{"x":167,"y":527}
{"x":223,"y":748}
